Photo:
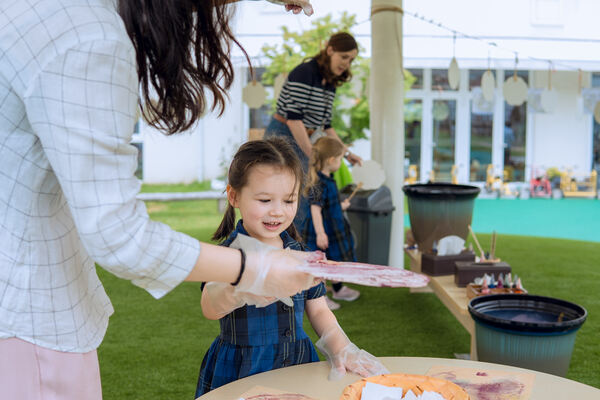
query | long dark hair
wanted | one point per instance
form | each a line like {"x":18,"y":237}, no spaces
{"x":274,"y":151}
{"x":341,"y":41}
{"x":182,"y":49}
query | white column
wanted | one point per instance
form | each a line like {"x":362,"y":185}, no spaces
{"x":498,"y":127}
{"x":387,"y":110}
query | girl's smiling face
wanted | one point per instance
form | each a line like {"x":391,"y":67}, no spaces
{"x":267,"y":202}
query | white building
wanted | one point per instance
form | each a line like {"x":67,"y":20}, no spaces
{"x":443,"y":127}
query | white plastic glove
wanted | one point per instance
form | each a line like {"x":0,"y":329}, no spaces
{"x":296,"y":6}
{"x":343,"y":355}
{"x":273,"y":272}
{"x":223,"y":298}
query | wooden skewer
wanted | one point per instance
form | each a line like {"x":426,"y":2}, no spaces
{"x":358,"y":186}
{"x":477,"y":243}
{"x":493,"y":246}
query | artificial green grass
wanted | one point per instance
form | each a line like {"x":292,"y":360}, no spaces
{"x":154,"y":348}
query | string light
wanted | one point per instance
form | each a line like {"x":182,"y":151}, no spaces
{"x":477,"y":38}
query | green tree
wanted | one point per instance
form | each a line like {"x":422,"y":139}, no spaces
{"x":350,"y":108}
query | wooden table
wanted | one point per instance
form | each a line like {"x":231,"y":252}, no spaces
{"x":311,"y":380}
{"x":453,"y":297}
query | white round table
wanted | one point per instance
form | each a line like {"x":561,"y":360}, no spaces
{"x":311,"y":380}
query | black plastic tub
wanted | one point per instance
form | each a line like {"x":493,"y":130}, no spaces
{"x":527,"y":331}
{"x":437,"y":210}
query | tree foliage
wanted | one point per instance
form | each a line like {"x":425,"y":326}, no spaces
{"x":350,"y":108}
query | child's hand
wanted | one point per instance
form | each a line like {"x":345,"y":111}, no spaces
{"x":322,"y":241}
{"x":345,"y":204}
{"x":344,"y":356}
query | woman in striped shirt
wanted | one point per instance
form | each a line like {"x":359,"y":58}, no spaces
{"x":306,"y":100}
{"x":305,"y":103}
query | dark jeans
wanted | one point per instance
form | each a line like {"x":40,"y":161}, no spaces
{"x":277,"y":128}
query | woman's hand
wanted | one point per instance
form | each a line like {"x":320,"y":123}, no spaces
{"x":322,"y":241}
{"x":354,"y":159}
{"x":296,"y":6}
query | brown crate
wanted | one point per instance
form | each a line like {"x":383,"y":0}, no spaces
{"x":443,"y":265}
{"x":466,"y":272}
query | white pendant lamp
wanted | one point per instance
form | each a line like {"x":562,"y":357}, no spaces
{"x":453,"y":74}
{"x":254,"y":94}
{"x":488,"y":85}
{"x":514,"y":89}
{"x":440,"y":111}
{"x":453,"y":70}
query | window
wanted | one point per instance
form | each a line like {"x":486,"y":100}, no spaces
{"x":439,"y":79}
{"x":515,"y":133}
{"x":482,"y":125}
{"x":444,"y":134}
{"x":139,"y":172}
{"x":260,"y":117}
{"x":413,"y":113}
{"x":417,"y":75}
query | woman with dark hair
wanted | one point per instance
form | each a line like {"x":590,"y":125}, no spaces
{"x":70,"y":78}
{"x":305,"y":104}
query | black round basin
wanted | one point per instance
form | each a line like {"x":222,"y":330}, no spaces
{"x":437,"y":210}
{"x":527,"y":331}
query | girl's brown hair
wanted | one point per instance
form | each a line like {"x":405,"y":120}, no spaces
{"x":182,"y":49}
{"x":322,"y":150}
{"x":341,"y":42}
{"x":275,"y":152}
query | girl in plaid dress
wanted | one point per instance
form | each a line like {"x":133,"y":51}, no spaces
{"x":264,"y":182}
{"x":327,"y":229}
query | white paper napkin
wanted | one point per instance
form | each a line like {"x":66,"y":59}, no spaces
{"x":373,"y":391}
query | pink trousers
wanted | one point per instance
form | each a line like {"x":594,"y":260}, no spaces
{"x":30,"y":372}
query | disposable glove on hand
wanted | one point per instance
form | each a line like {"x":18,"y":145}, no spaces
{"x":344,"y":356}
{"x":224,"y":298}
{"x":272,"y":272}
{"x":296,"y":6}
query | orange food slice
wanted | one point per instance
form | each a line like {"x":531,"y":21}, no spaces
{"x":417,"y":383}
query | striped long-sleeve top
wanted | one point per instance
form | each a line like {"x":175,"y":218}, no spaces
{"x":305,"y":97}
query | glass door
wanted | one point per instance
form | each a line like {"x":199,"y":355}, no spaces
{"x":444,"y":135}
{"x":413,"y":112}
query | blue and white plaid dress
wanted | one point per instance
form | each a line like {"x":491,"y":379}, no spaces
{"x":341,"y":243}
{"x":254,"y":340}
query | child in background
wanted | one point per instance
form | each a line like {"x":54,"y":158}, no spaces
{"x":264,"y":183}
{"x":327,"y":229}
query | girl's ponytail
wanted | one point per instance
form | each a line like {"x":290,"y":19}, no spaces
{"x":227,"y":224}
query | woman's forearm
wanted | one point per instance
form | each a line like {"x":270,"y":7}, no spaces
{"x":216,"y":264}
{"x":300,"y":135}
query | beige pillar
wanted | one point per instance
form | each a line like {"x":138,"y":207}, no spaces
{"x":387,"y":111}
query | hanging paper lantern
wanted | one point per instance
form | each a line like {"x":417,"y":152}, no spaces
{"x":453,"y":74}
{"x":597,"y":112}
{"x":278,"y":84}
{"x":548,"y":100}
{"x":440,"y":110}
{"x":514,"y":90}
{"x":254,"y":95}
{"x":488,"y":85}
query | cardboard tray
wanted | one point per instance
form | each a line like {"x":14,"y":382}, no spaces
{"x":475,"y":291}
